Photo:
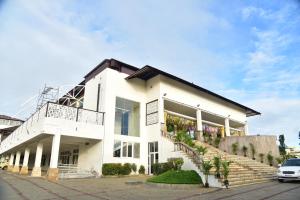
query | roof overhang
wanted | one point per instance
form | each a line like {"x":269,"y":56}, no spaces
{"x":149,"y":72}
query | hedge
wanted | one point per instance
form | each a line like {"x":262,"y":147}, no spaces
{"x":118,"y":169}
{"x":172,"y":164}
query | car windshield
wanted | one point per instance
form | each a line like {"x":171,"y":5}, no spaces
{"x":295,"y":162}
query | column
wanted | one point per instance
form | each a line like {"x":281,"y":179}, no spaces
{"x":52,"y":173}
{"x":199,"y":125}
{"x":11,"y":162}
{"x":161,"y":111}
{"x":24,"y":169}
{"x":16,"y":167}
{"x":246,"y":128}
{"x":227,"y":127}
{"x":37,"y":171}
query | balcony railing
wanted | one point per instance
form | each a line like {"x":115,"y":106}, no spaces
{"x":51,"y":110}
{"x":55,"y":110}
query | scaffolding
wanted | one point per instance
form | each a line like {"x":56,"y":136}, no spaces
{"x":47,"y":94}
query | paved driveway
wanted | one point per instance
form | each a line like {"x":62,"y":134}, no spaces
{"x":19,"y":187}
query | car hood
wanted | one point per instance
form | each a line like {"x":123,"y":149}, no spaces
{"x":290,"y":168}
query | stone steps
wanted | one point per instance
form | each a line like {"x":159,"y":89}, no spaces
{"x":243,"y":170}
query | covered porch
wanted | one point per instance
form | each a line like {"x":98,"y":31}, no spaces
{"x":199,"y":123}
{"x":54,"y":156}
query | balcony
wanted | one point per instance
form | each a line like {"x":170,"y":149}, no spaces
{"x":54,"y":118}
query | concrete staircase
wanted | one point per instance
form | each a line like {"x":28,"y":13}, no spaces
{"x":243,"y":170}
{"x":67,"y":171}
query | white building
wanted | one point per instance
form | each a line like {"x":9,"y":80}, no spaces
{"x":117,"y":118}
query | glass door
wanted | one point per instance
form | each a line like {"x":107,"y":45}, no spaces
{"x":152,"y":155}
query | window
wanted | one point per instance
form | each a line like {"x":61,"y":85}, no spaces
{"x":127,"y":117}
{"x":129,"y":149}
{"x":117,"y":148}
{"x":124,"y":149}
{"x":136,"y":153}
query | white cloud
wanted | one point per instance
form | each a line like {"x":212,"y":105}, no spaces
{"x":280,"y":116}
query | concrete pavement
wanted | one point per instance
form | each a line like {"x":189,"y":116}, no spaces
{"x":15,"y":187}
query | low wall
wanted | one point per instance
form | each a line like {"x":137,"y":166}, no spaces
{"x":263,"y":144}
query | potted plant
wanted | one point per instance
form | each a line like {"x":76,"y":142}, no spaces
{"x":278,"y":160}
{"x":225,"y":166}
{"x":270,"y":159}
{"x":206,"y":167}
{"x":201,"y":150}
{"x":245,"y":149}
{"x":217,"y":165}
{"x":253,"y":151}
{"x":261,"y":155}
{"x":235,"y":147}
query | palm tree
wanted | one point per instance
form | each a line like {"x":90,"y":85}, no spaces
{"x":206,"y":167}
{"x":217,"y":165}
{"x":245,"y":149}
{"x":225,"y":166}
{"x":201,"y":150}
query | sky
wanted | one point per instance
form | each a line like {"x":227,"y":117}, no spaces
{"x":248,"y":51}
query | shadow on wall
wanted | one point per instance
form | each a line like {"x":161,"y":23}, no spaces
{"x":262,"y":144}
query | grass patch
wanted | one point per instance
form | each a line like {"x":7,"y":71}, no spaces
{"x":177,"y":177}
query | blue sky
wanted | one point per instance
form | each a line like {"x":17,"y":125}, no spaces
{"x":248,"y":51}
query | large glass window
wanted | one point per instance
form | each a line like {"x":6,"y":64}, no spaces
{"x":127,"y":117}
{"x":126,"y":149}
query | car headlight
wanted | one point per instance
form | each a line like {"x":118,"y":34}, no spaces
{"x":279,"y":171}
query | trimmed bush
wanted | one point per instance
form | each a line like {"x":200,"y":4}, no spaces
{"x":142,"y":169}
{"x":126,"y":169}
{"x":133,"y":167}
{"x":111,"y":169}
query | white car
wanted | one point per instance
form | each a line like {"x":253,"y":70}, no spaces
{"x":289,"y":170}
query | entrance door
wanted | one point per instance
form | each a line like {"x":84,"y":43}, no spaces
{"x":152,"y":155}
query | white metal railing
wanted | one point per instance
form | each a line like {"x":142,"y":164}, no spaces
{"x":51,"y":110}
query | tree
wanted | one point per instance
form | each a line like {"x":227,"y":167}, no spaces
{"x":217,"y":164}
{"x":225,"y":165}
{"x":206,"y":167}
{"x":282,"y":145}
{"x":201,"y":150}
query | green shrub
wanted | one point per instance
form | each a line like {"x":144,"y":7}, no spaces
{"x":142,"y":169}
{"x":270,"y":158}
{"x":217,"y":142}
{"x":111,"y":169}
{"x":133,"y":167}
{"x":235,"y":147}
{"x":125,"y":169}
{"x":176,"y":162}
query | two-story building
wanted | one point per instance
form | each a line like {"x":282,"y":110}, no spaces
{"x":117,"y":117}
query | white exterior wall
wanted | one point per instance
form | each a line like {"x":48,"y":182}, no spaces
{"x":190,"y":96}
{"x":114,"y":84}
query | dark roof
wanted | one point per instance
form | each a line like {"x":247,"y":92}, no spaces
{"x":113,"y":64}
{"x":10,"y":118}
{"x":149,"y":72}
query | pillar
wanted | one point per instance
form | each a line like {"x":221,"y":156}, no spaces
{"x":246,"y":128}
{"x":24,"y":169}
{"x":199,"y":125}
{"x":16,"y":167}
{"x":161,"y":111}
{"x":37,"y":171}
{"x":52,"y":173}
{"x":11,"y":162}
{"x":227,"y":127}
